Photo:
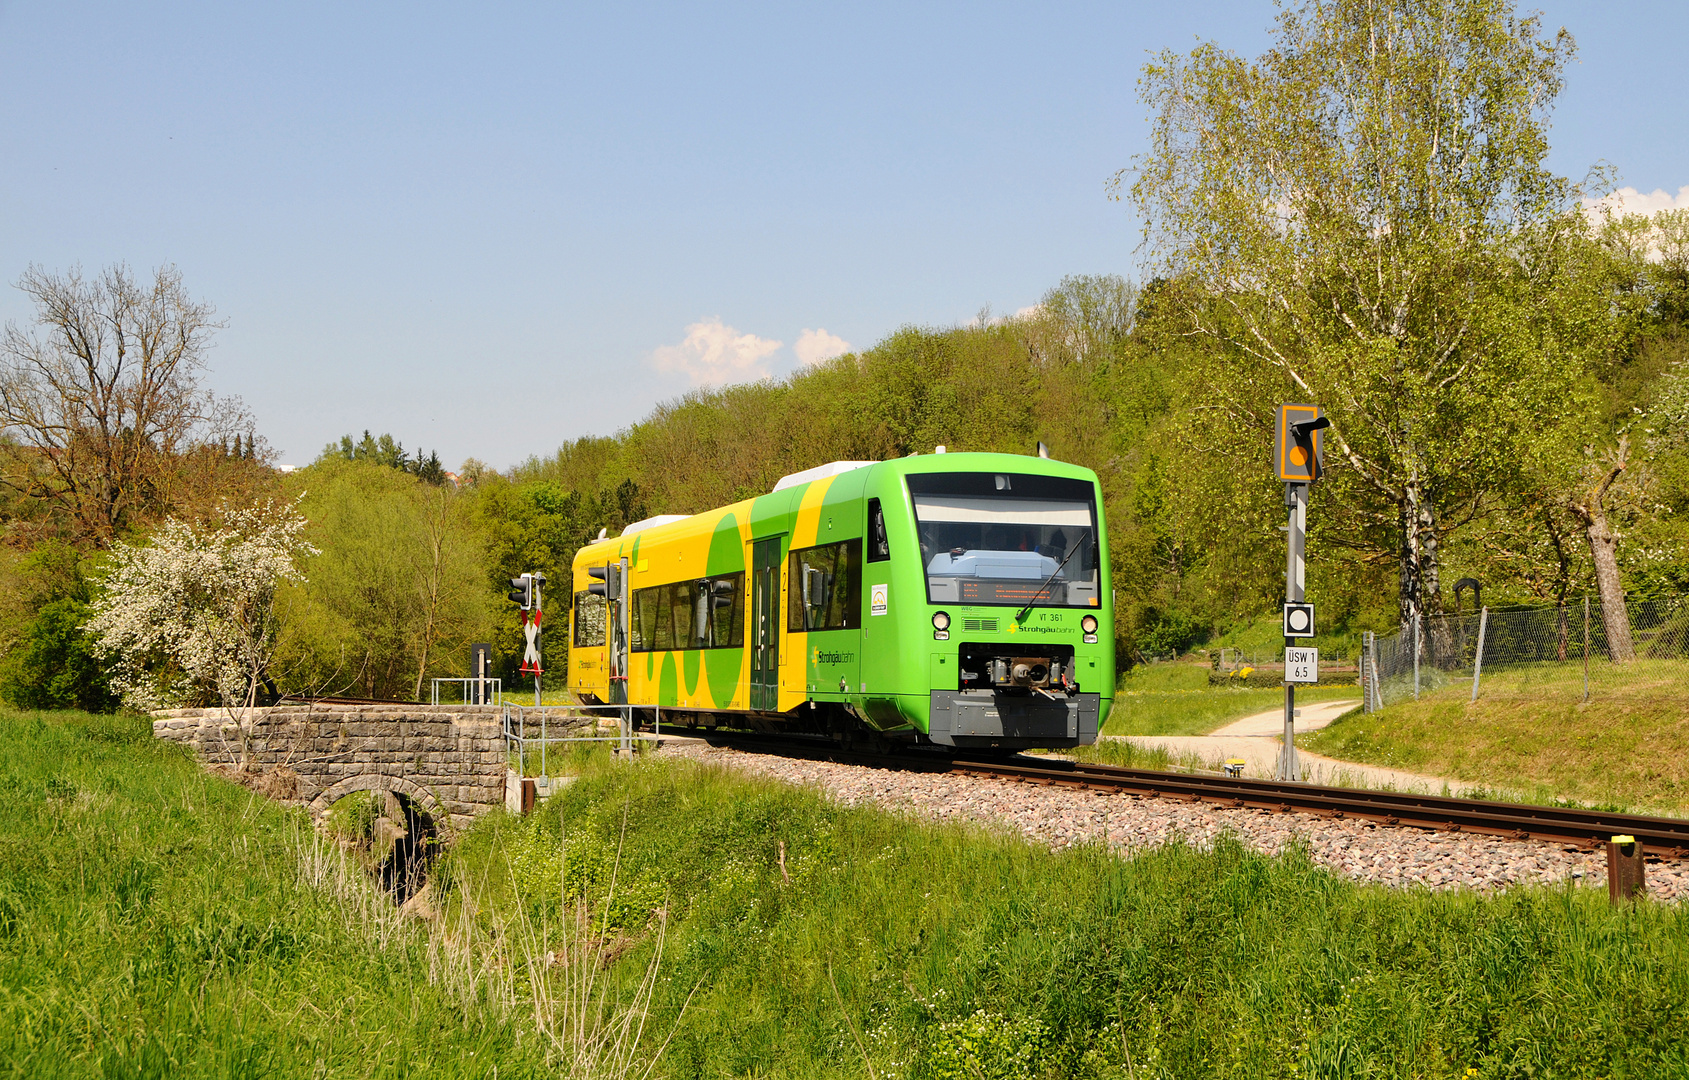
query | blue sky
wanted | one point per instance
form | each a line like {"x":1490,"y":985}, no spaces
{"x":490,"y":228}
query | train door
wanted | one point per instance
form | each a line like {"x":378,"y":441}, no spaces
{"x":765,"y":624}
{"x":618,"y":639}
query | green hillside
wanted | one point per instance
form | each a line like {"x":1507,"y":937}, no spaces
{"x":159,"y":921}
{"x":156,"y":921}
{"x":1531,"y":733}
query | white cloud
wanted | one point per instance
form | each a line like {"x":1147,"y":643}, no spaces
{"x":713,"y":352}
{"x":817,"y":345}
{"x":1626,"y":201}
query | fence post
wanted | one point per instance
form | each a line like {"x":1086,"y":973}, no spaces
{"x":1416,"y":656}
{"x":1478,"y":660}
{"x":1366,"y":683}
{"x":1586,"y":646}
{"x":1378,"y":691}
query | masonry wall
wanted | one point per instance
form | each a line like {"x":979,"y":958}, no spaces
{"x":450,"y":758}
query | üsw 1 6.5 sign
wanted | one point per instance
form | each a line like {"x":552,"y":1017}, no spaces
{"x":1301,"y":665}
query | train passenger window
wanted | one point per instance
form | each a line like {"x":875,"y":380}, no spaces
{"x":645,"y":607}
{"x":727,"y":624}
{"x":662,"y":619}
{"x":824,"y":587}
{"x":879,"y":546}
{"x":681,"y":622}
{"x":704,"y":613}
{"x":589,"y":620}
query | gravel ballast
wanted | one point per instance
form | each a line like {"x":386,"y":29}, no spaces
{"x":1062,"y":817}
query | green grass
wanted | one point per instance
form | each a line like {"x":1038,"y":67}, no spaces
{"x":1127,"y":754}
{"x":1176,"y":699}
{"x":810,"y":940}
{"x":1531,"y":733}
{"x":157,"y":921}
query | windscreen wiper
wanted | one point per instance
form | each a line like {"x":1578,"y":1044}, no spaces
{"x":1053,"y":575}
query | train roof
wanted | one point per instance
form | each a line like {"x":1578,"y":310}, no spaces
{"x":666,"y":527}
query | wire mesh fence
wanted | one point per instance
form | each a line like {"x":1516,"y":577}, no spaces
{"x":1570,"y":651}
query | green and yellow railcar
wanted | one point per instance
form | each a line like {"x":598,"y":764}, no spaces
{"x":957,"y":599}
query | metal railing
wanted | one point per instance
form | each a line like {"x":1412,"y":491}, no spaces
{"x":1559,"y":651}
{"x":519,"y":721}
{"x":488,"y":691}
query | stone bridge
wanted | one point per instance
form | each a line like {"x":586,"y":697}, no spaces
{"x":447,"y":759}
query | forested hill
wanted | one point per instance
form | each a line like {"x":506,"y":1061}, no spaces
{"x":1110,"y":379}
{"x":410,"y":568}
{"x":1075,"y":373}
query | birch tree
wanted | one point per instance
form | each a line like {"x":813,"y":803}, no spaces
{"x":1361,"y":218}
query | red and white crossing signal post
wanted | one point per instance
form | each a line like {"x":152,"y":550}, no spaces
{"x":526,"y":594}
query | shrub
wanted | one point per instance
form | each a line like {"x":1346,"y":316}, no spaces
{"x":54,"y":666}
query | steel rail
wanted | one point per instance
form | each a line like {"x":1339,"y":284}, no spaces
{"x":1664,"y":837}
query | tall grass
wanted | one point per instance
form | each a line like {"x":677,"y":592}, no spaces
{"x":668,"y":918}
{"x":804,"y":939}
{"x":157,"y":921}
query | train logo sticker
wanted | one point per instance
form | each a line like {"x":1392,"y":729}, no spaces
{"x":877,"y":604}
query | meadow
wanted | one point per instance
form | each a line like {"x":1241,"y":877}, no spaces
{"x":155,"y":920}
{"x":1531,"y":733}
{"x":799,"y":938}
{"x":1177,"y":699}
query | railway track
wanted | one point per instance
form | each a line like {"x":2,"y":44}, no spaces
{"x":1663,"y":837}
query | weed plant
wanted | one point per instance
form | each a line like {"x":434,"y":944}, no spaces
{"x":806,"y":939}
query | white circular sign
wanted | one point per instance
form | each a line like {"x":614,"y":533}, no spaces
{"x":1299,"y":619}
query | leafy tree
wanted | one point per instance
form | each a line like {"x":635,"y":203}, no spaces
{"x":55,"y":666}
{"x":537,"y":526}
{"x":1361,"y":217}
{"x":396,"y":590}
{"x":49,"y":661}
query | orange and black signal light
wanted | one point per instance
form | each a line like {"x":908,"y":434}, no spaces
{"x":522,"y":591}
{"x":1299,"y":451}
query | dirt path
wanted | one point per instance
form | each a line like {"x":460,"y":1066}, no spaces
{"x":1255,"y":740}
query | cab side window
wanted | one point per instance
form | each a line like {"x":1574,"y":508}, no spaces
{"x":589,"y":620}
{"x":824,"y":588}
{"x":879,"y":547}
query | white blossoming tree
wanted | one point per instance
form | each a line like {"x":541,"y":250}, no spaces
{"x":192,"y":614}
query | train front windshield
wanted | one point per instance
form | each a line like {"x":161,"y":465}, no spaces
{"x":998,"y":538}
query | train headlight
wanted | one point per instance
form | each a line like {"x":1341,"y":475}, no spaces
{"x":941,"y":620}
{"x":1088,"y":624}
